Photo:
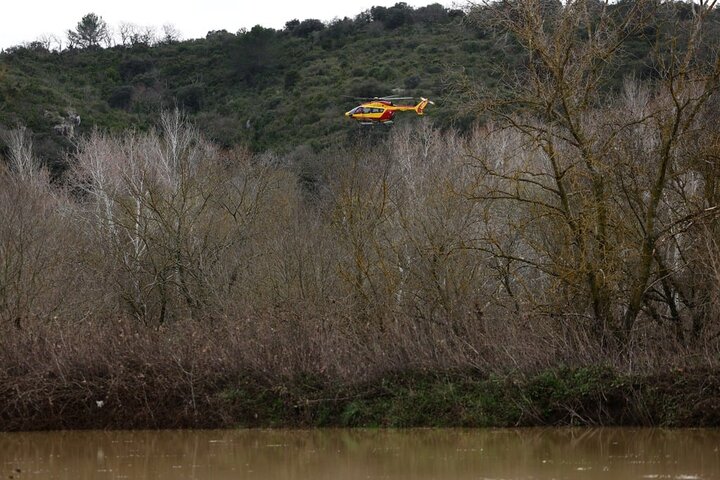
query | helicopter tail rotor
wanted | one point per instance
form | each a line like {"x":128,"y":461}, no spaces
{"x":420,"y":107}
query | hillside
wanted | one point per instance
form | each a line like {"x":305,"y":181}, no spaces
{"x":263,"y":88}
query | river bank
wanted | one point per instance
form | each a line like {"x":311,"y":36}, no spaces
{"x":561,"y":396}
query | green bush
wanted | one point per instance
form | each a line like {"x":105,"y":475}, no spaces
{"x":121,"y":97}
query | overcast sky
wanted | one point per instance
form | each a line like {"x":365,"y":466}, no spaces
{"x":26,"y":20}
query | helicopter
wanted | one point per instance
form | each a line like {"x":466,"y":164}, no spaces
{"x":381,"y":110}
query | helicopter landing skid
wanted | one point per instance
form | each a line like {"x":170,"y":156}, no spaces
{"x":389,"y":122}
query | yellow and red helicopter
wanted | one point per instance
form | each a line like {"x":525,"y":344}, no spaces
{"x":382,"y":110}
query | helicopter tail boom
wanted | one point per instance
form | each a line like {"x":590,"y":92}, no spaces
{"x":419,"y":108}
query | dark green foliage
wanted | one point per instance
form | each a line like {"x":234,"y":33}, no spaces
{"x":307,"y":27}
{"x":121,"y":97}
{"x":290,"y":25}
{"x":291,"y":78}
{"x":431,"y":14}
{"x":368,"y":88}
{"x":584,"y":396}
{"x":254,"y":53}
{"x":393,"y":17}
{"x":190,"y":97}
{"x":277,"y":89}
{"x":412,"y":82}
{"x":398,"y":16}
{"x":133,"y":67}
{"x":90,"y":31}
{"x":263,"y":88}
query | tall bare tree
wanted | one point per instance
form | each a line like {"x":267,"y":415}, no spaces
{"x":20,"y":153}
{"x":166,"y":212}
{"x":598,"y":176}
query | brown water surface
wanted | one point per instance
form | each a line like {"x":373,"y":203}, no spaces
{"x":363,"y":454}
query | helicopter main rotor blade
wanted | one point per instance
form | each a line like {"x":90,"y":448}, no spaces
{"x":388,"y":98}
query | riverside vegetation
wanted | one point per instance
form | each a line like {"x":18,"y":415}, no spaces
{"x":556,"y":263}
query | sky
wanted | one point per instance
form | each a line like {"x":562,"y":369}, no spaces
{"x":27,"y":20}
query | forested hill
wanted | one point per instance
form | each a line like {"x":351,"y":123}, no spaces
{"x":262,"y":88}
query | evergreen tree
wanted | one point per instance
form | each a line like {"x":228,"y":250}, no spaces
{"x":89,"y":32}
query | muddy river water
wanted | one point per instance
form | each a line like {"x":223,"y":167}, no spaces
{"x":438,"y":454}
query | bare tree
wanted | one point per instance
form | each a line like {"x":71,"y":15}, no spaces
{"x":170,"y":34}
{"x":167,"y":213}
{"x":599,"y":177}
{"x":32,"y":237}
{"x":20,"y":152}
{"x":50,"y":42}
{"x":131,"y":34}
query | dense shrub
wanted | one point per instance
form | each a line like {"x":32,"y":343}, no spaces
{"x":121,"y":97}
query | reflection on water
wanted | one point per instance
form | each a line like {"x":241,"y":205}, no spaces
{"x":364,"y":454}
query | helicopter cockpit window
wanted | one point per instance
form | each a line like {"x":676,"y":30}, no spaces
{"x":366,"y":110}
